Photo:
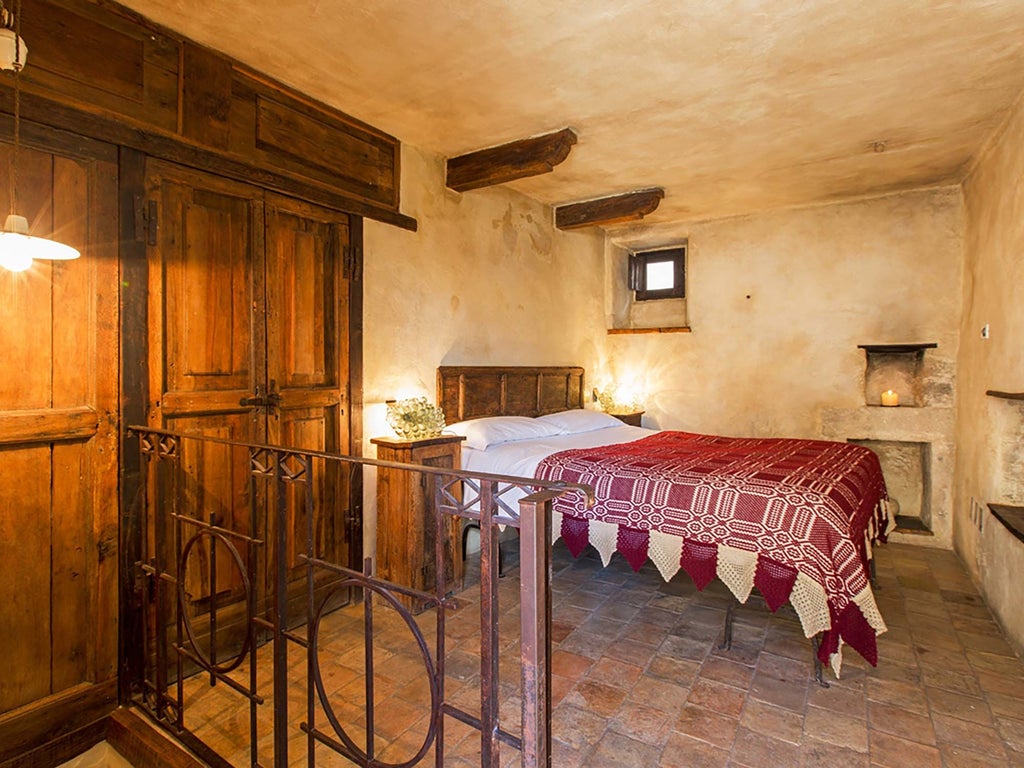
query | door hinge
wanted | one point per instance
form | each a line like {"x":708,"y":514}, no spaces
{"x":146,"y":220}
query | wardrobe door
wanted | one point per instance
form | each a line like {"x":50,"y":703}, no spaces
{"x":308,"y":360}
{"x":248,"y":341}
{"x":207,"y":354}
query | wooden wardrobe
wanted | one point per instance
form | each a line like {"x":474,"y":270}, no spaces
{"x":219,"y":215}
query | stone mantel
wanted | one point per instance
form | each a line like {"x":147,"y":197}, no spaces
{"x":881,"y":423}
{"x":931,"y":425}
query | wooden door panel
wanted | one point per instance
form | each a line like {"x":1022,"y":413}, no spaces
{"x":218,"y":493}
{"x":307,"y":297}
{"x":313,"y":428}
{"x":58,"y":435}
{"x":26,"y":314}
{"x":208,"y":294}
{"x":301,"y":287}
{"x":25,"y":535}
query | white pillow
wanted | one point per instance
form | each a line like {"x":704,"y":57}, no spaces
{"x":495,"y":430}
{"x":580,"y":420}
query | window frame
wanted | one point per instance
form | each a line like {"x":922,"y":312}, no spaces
{"x":638,"y":263}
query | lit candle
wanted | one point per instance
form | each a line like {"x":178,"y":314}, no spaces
{"x":890,"y":398}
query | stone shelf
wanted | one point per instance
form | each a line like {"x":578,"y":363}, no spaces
{"x":898,"y":367}
{"x":1010,"y":516}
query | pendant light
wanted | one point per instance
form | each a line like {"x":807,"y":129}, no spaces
{"x":18,"y":249}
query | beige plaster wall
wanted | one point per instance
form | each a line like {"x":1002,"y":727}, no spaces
{"x":990,"y":432}
{"x":486,"y":280}
{"x":779,"y":302}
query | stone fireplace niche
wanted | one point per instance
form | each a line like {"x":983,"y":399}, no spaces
{"x":895,"y":367}
{"x":907,"y":469}
{"x":913,"y":441}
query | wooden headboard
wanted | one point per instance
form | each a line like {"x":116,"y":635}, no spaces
{"x":472,"y":392}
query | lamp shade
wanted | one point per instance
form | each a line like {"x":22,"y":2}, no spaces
{"x":18,"y":249}
{"x":8,"y":48}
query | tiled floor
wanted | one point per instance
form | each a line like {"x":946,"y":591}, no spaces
{"x":639,"y":680}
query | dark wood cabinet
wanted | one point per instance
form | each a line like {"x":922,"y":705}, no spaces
{"x":406,"y":520}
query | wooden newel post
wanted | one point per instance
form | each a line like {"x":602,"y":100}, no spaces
{"x":535,"y":617}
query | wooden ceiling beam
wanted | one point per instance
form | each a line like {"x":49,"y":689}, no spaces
{"x":630,"y":206}
{"x":508,"y":162}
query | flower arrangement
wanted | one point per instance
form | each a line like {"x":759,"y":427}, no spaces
{"x":414,"y":418}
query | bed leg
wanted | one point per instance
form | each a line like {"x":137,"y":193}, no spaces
{"x":818,"y":667}
{"x":873,"y":575}
{"x":726,"y":643}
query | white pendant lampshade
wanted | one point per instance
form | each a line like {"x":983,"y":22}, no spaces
{"x":12,"y":49}
{"x":18,"y":249}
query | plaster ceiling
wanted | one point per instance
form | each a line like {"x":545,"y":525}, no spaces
{"x":732,"y":106}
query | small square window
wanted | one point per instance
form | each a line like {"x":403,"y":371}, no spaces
{"x":658,"y":274}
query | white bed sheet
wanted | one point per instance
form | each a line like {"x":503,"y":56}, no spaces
{"x":520,"y":458}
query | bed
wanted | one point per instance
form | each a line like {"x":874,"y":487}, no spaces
{"x":796,"y":519}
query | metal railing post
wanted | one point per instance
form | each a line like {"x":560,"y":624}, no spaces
{"x":489,"y":747}
{"x":280,"y":670}
{"x":535,"y":626}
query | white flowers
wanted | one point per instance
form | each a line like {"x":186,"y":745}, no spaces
{"x":415,"y":418}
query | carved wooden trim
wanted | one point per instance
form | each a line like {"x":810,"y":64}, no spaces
{"x":133,"y":83}
{"x":630,"y":206}
{"x":508,"y":162}
{"x":180,"y":150}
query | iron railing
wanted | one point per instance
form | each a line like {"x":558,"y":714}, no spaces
{"x":226,"y":623}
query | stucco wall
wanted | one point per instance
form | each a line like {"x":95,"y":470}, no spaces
{"x":486,"y":280}
{"x":990,"y":432}
{"x":778,"y":303}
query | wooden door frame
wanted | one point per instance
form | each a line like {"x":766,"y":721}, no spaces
{"x":135,"y":397}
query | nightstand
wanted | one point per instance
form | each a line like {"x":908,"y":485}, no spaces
{"x":633,"y":419}
{"x":406,"y":517}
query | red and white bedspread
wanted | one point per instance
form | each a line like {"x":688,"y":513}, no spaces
{"x":795,"y":518}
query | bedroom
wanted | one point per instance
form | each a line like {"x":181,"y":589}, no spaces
{"x":931,"y":263}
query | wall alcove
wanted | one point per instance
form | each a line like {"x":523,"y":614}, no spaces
{"x":895,"y":368}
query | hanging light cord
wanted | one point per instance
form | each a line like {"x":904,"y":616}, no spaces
{"x":17,"y":106}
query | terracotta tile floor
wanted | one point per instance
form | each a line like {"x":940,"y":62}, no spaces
{"x":639,"y":680}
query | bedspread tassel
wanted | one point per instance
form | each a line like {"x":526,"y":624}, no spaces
{"x":853,"y":628}
{"x":632,"y":543}
{"x":700,"y":561}
{"x":774,"y":581}
{"x":576,"y":532}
